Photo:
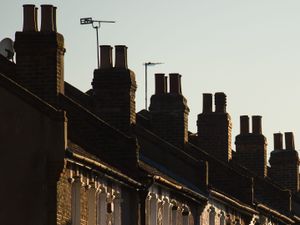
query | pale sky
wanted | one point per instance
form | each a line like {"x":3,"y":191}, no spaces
{"x":249,"y":49}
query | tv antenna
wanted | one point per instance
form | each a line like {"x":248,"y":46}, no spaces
{"x":96,"y":24}
{"x":146,"y":64}
{"x":7,"y":48}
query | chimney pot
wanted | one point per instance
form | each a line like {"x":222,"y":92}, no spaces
{"x":106,"y":56}
{"x":289,"y":141}
{"x":160,"y":83}
{"x":277,"y":141}
{"x":207,"y":103}
{"x":121,"y":56}
{"x":256,"y":125}
{"x":220,"y":102}
{"x":244,"y":123}
{"x":175,"y":86}
{"x":29,"y":18}
{"x":47,"y":18}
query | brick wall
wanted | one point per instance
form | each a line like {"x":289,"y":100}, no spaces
{"x":64,"y":198}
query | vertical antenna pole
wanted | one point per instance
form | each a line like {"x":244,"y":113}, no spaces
{"x":146,"y":64}
{"x":146,"y":86}
{"x":98,"y":55}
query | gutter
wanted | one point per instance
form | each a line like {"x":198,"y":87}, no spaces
{"x":103,"y":167}
{"x":178,"y":187}
{"x":217,"y":196}
{"x":272,"y":211}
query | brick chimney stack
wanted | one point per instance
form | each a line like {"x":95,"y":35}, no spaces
{"x":114,"y":89}
{"x":40,"y":54}
{"x":251,"y":148}
{"x":214,"y":128}
{"x":169,"y":111}
{"x":285,"y":162}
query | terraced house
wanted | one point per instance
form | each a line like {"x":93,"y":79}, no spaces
{"x":88,"y":158}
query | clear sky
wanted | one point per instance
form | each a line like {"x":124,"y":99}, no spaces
{"x":248,"y":49}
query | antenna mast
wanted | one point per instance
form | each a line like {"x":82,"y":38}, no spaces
{"x":96,"y":24}
{"x":146,"y":80}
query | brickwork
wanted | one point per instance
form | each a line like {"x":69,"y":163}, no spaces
{"x":64,"y":198}
{"x":251,"y":152}
{"x":107,"y":198}
{"x":214,"y":132}
{"x":114,"y":96}
{"x":39,"y":60}
{"x":285,"y":162}
{"x":169,"y":116}
{"x":97,"y":166}
{"x":164,"y":208}
{"x":85,"y":129}
{"x":285,"y":168}
{"x":216,"y":213}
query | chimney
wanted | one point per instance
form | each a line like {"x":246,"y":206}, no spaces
{"x":114,"y":89}
{"x":29,"y":18}
{"x":278,"y":141}
{"x":220,"y":102}
{"x":214,"y":128}
{"x":175,"y":85}
{"x":106,"y":57}
{"x":207,"y":103}
{"x":40,"y":55}
{"x":121,"y":56}
{"x":251,"y":148}
{"x":256,"y":124}
{"x":244,"y":121}
{"x":160,"y":84}
{"x":169,"y":111}
{"x":47,"y":24}
{"x":289,"y":141}
{"x":284,"y":163}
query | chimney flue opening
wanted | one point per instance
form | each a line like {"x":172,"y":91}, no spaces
{"x":29,"y":18}
{"x":160,"y":83}
{"x":220,"y":102}
{"x":175,"y":86}
{"x":289,"y":141}
{"x":277,"y":141}
{"x":244,"y":124}
{"x":47,"y":24}
{"x":207,"y":103}
{"x":121,"y":56}
{"x":105,"y":56}
{"x":256,"y":125}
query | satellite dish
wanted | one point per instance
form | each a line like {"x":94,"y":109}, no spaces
{"x":7,"y":48}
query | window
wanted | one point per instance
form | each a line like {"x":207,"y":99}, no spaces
{"x":212,"y":215}
{"x":75,"y":200}
{"x":102,"y":206}
{"x":91,"y":195}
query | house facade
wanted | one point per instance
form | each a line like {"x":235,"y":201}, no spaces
{"x":88,"y":158}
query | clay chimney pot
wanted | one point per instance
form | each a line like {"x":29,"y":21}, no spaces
{"x":207,"y":103}
{"x":29,"y":18}
{"x":47,"y":24}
